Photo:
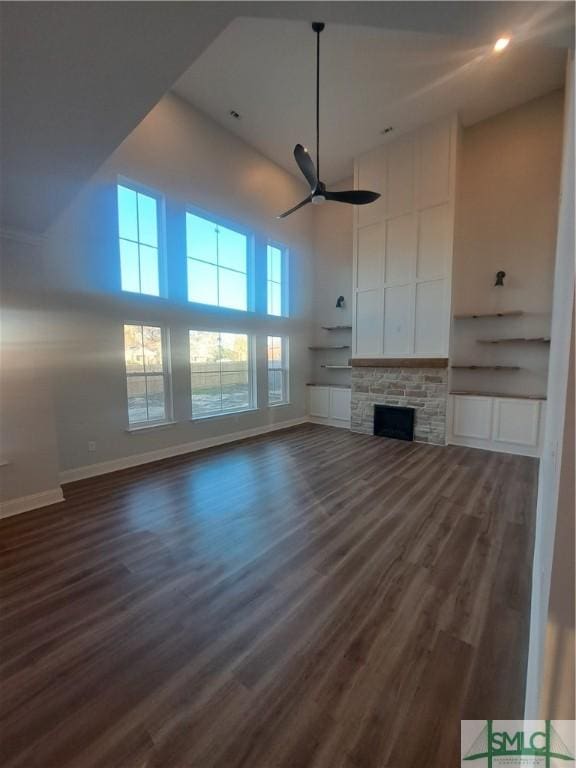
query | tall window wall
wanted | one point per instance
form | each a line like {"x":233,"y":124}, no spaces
{"x":224,"y":277}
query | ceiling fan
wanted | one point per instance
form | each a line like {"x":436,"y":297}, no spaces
{"x":318,"y":191}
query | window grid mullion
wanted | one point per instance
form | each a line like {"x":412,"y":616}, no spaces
{"x":138,"y":236}
{"x":220,"y":350}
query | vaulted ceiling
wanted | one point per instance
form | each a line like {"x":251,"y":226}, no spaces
{"x":78,"y":77}
{"x":371,"y":79}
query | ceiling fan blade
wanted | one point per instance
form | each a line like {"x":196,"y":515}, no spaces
{"x":353,"y":196}
{"x":302,"y":203}
{"x":306,"y":165}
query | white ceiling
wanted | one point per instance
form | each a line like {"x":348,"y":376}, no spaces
{"x":77,"y":78}
{"x":370,"y":78}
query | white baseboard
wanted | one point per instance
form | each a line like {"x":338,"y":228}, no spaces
{"x":496,"y":446}
{"x":341,"y":423}
{"x":34,"y":501}
{"x":102,"y":468}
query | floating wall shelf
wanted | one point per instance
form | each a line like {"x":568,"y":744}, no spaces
{"x":486,"y":367}
{"x":343,"y":346}
{"x":335,"y":365}
{"x":332,"y":386}
{"x":514,"y":313}
{"x":537,"y":340}
{"x":336,"y":327}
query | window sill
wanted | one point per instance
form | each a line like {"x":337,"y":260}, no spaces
{"x":278,"y":405}
{"x":155,"y":425}
{"x":223,"y":415}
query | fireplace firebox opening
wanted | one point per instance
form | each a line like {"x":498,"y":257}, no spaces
{"x":394,"y":421}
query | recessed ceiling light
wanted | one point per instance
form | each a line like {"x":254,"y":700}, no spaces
{"x":500,"y":44}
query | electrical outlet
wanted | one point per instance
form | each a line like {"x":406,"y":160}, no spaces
{"x":91,"y":445}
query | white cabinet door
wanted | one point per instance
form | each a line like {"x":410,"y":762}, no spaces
{"x":434,"y":164}
{"x":368,"y":325}
{"x":516,"y":421}
{"x":400,"y":176}
{"x":320,"y":402}
{"x":429,"y":320}
{"x":472,"y":417}
{"x":397,"y":320}
{"x":340,"y":403}
{"x":370,"y":260}
{"x":504,"y":424}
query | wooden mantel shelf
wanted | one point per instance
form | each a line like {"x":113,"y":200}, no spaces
{"x":399,"y":362}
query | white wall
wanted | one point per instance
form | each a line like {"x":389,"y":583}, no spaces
{"x":551,"y":460}
{"x":181,"y":153}
{"x":506,"y":217}
{"x":557,"y":698}
{"x":28,"y":452}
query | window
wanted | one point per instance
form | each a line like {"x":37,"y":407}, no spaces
{"x":217,"y":264}
{"x":146,"y":374}
{"x":138,"y":227}
{"x":275,"y":280}
{"x":221,"y":369}
{"x":277,"y":370}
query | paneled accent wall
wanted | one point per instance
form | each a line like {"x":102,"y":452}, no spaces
{"x":403,"y":245}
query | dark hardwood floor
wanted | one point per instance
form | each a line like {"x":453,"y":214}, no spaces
{"x":308,"y":599}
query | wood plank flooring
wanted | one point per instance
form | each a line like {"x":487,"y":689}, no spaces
{"x":309,"y":599}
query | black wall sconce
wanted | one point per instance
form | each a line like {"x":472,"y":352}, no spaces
{"x":340,"y":302}
{"x":500,"y":278}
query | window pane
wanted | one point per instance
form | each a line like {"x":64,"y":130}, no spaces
{"x":274,"y":264}
{"x":202,"y":282}
{"x":220,"y":372}
{"x":147,"y":220}
{"x":149,"y":271}
{"x":274,"y":299}
{"x":137,"y":411}
{"x":133,"y":350}
{"x":204,"y":348}
{"x":232,"y":289}
{"x":127,"y":213}
{"x":234,"y":348}
{"x":156,"y":400}
{"x":235,"y":390}
{"x":206,"y":394}
{"x":232,"y":249}
{"x":275,"y":394}
{"x":152,"y":339}
{"x":201,"y":239}
{"x":274,"y":351}
{"x":129,"y":266}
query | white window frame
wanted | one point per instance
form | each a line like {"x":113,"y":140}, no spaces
{"x":285,"y":370}
{"x":251,"y":346}
{"x":122,"y":181}
{"x":166,"y":375}
{"x":219,"y":221}
{"x":284,"y":286}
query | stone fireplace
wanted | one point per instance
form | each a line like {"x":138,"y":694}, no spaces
{"x":419,"y":383}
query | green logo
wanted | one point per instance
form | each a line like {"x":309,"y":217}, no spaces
{"x":545,"y":744}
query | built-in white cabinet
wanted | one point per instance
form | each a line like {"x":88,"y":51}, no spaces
{"x":506,"y":424}
{"x":319,"y":402}
{"x":330,"y":405}
{"x":403,"y":245}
